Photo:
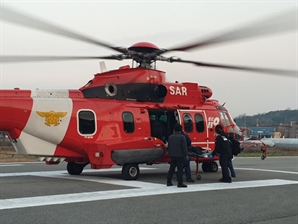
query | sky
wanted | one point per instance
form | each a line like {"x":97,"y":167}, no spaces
{"x":165,"y":24}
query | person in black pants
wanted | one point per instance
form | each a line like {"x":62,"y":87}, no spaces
{"x":186,"y":160}
{"x":177,"y":150}
{"x":223,"y":148}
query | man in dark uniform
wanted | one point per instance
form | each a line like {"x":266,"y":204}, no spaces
{"x":223,"y":148}
{"x":186,"y":160}
{"x":193,"y":150}
{"x":178,"y":150}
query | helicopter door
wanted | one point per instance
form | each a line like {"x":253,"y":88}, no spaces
{"x":195,"y":125}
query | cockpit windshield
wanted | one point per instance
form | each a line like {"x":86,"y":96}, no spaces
{"x":224,"y":119}
{"x":229,"y":123}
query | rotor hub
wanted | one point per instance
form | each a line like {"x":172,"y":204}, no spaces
{"x":144,"y":53}
{"x":144,"y":47}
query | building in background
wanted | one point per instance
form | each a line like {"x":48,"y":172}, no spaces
{"x":261,"y":132}
{"x":288,"y":130}
{"x":277,"y":131}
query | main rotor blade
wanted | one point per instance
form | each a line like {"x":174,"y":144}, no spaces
{"x":275,"y":24}
{"x":282,"y":72}
{"x":35,"y":23}
{"x":25,"y":58}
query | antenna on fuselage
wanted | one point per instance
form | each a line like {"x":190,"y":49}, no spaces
{"x":103,"y":67}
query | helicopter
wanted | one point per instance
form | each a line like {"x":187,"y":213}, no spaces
{"x":107,"y":121}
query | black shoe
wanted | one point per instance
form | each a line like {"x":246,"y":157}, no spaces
{"x":225,"y":181}
{"x":181,"y":185}
{"x":190,"y":180}
{"x":169,"y":184}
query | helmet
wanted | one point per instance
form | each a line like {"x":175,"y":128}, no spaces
{"x":152,"y":117}
{"x":163,"y":118}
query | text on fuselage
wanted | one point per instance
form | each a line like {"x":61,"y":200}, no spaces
{"x":176,"y":90}
{"x":212,"y":122}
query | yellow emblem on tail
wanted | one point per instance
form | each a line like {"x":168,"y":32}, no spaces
{"x":52,"y":117}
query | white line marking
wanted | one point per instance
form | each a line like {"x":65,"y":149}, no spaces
{"x":24,"y":163}
{"x":156,"y":189}
{"x":11,"y":164}
{"x":112,"y":181}
{"x":46,"y":173}
{"x":274,"y":171}
{"x":103,"y":180}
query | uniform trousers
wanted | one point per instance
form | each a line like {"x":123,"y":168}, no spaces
{"x":176,"y":162}
{"x":223,"y":161}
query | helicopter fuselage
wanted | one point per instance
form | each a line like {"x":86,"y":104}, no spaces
{"x":107,"y":122}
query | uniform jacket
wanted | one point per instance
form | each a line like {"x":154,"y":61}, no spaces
{"x":177,"y":145}
{"x":222,"y":146}
{"x":188,"y":140}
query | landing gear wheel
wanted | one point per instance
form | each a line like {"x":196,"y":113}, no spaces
{"x":130,"y":171}
{"x":75,"y":168}
{"x":213,"y":167}
{"x":262,"y":157}
{"x":206,"y":167}
{"x":199,"y":177}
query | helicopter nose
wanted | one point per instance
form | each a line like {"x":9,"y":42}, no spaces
{"x":15,"y":108}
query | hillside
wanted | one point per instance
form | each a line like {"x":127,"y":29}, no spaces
{"x":271,"y":118}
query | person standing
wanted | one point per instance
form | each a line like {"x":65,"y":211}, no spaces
{"x":186,"y":161}
{"x":231,"y":168}
{"x":178,"y":151}
{"x":223,"y":148}
{"x":230,"y":163}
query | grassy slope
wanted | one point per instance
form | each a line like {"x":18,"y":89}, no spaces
{"x":8,"y":154}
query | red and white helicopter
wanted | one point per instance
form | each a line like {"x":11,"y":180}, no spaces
{"x":107,"y":121}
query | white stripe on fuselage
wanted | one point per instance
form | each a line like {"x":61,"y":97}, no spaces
{"x":37,"y":138}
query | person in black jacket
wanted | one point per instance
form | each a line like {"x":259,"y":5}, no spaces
{"x":223,"y":148}
{"x":186,"y":160}
{"x":178,"y":150}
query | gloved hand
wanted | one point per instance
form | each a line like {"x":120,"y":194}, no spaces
{"x":210,"y":156}
{"x":187,"y":157}
{"x":166,"y":144}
